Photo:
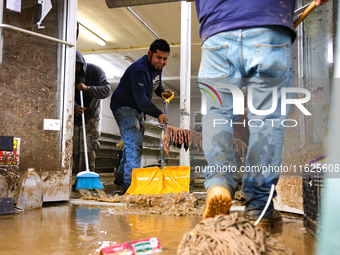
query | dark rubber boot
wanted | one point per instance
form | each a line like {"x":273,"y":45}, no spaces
{"x":274,"y":218}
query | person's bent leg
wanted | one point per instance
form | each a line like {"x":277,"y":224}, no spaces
{"x":131,"y":128}
{"x":221,"y":172}
{"x":92,"y":140}
{"x":219,"y":63}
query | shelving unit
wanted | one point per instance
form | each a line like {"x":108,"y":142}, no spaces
{"x":107,"y":155}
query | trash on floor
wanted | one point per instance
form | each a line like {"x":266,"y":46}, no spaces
{"x":144,"y":246}
{"x":30,"y":190}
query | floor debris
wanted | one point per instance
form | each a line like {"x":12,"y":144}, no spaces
{"x":178,"y":204}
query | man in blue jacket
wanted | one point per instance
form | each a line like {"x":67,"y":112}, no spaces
{"x":245,"y":43}
{"x":132,"y":99}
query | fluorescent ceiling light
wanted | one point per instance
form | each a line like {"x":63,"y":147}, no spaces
{"x":135,"y":16}
{"x":88,"y":33}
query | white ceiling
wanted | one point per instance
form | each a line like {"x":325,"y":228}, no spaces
{"x":126,"y":36}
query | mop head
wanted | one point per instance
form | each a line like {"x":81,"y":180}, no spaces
{"x":88,"y":180}
{"x":229,"y":234}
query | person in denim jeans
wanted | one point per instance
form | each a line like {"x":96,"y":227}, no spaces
{"x":132,"y":99}
{"x":244,"y":43}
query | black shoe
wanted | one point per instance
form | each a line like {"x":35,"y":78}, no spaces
{"x":125,"y":189}
{"x":118,"y":182}
{"x":119,"y":179}
{"x":274,"y":218}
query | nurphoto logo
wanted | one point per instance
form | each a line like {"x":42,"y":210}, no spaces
{"x":238,"y":103}
{"x":238,"y":99}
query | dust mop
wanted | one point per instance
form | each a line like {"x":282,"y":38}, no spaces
{"x":87,"y":179}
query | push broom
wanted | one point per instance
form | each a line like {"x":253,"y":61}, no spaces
{"x":87,"y":179}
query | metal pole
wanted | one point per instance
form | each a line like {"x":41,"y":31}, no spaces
{"x":166,"y":105}
{"x":84,"y":132}
{"x":69,"y":90}
{"x":36,"y":34}
{"x":301,"y":9}
{"x":301,"y":79}
{"x":185,"y":72}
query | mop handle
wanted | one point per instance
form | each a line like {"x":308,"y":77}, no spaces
{"x":306,"y":12}
{"x":163,"y":134}
{"x":84,"y":132}
{"x":167,"y":98}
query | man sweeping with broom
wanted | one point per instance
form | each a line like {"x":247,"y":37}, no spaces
{"x":91,"y":87}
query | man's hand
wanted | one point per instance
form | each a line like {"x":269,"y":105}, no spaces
{"x":162,"y":118}
{"x":79,"y":110}
{"x":320,"y":2}
{"x":167,"y":93}
{"x":81,"y":86}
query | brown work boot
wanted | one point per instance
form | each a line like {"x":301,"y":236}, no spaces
{"x":273,"y":219}
{"x":218,"y":202}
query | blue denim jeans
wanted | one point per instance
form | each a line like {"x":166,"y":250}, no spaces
{"x":260,"y":60}
{"x":131,"y":126}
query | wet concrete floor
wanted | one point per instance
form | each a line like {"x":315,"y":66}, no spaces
{"x":65,"y":228}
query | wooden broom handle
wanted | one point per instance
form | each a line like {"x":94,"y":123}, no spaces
{"x":305,"y":13}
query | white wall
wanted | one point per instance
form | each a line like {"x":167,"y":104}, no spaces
{"x":107,"y":122}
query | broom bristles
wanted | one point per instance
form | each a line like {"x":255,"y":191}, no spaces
{"x":89,"y":183}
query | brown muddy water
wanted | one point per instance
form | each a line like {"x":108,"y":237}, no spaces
{"x":64,"y":228}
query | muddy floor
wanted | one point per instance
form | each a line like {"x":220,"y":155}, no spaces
{"x":66,"y":228}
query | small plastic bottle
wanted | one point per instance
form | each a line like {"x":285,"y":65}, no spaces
{"x":30,"y":190}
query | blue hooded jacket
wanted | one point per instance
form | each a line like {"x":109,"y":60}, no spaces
{"x":136,"y":88}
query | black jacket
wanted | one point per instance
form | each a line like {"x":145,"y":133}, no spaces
{"x":97,"y":88}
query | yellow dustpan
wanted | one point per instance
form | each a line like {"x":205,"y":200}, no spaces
{"x":155,"y":180}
